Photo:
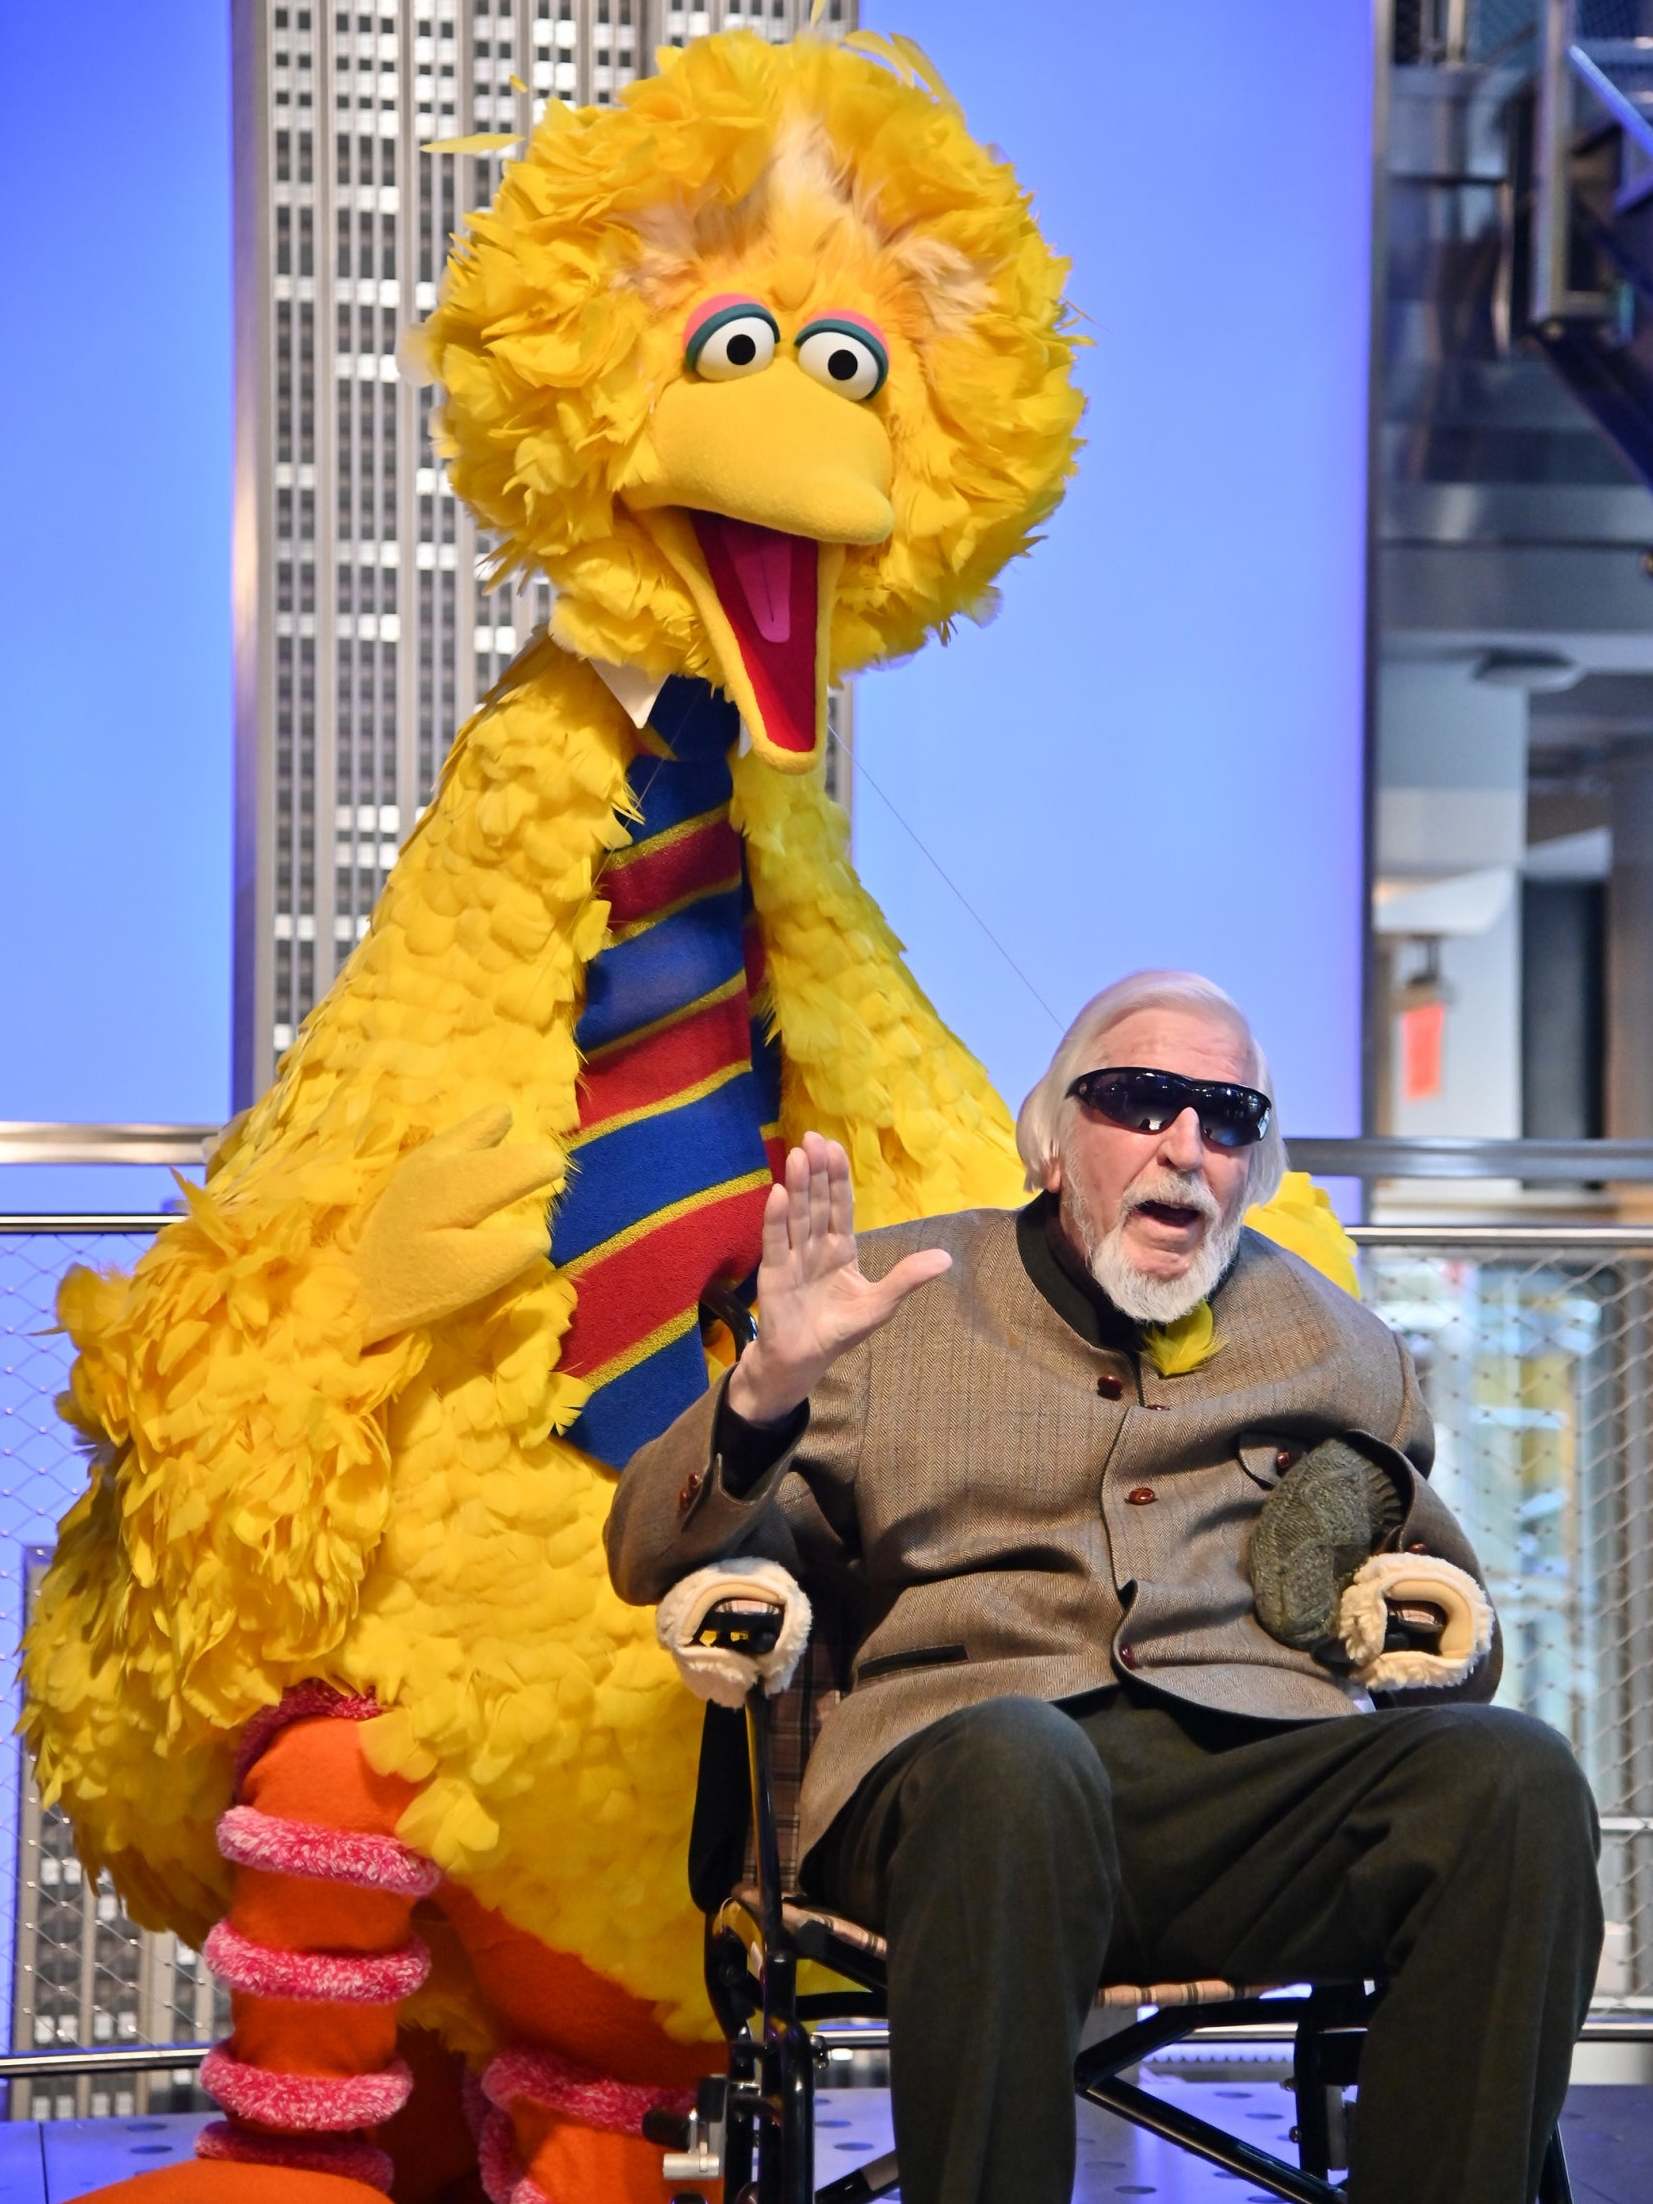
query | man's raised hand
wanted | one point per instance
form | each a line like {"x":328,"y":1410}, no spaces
{"x":814,"y":1301}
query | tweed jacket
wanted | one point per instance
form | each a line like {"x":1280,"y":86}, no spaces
{"x":1016,"y":1509}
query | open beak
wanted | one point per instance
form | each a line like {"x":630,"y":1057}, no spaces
{"x":753,"y":488}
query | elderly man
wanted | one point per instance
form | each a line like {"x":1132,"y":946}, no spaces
{"x":1071,"y":1749}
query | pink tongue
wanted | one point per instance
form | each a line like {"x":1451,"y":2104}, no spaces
{"x":762,"y":561}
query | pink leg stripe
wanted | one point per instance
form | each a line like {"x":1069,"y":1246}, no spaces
{"x":330,"y":1977}
{"x":355,"y":1856}
{"x":304,"y":2104}
{"x":302,"y":1704}
{"x":351,"y":2161}
{"x":503,"y":2179}
{"x":591,"y":2100}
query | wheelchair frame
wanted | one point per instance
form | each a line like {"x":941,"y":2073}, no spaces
{"x":754,"y":2125}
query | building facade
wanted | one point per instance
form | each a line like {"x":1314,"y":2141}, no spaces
{"x":363,"y":639}
{"x":84,"y":1976}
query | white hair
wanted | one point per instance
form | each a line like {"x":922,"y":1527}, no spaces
{"x":1081,"y":1048}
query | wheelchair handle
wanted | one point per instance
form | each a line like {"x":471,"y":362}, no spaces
{"x":747,"y":1624}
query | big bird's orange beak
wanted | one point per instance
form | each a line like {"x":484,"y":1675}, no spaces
{"x":752,"y":489}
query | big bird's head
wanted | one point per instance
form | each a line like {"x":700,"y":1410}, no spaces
{"x":767,"y":368}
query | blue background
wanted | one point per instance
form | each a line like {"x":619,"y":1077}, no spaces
{"x":1155,"y":754}
{"x":115,"y":954}
{"x":115,"y":640}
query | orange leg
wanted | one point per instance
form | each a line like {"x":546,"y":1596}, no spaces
{"x":318,"y":1954}
{"x":317,"y":2083}
{"x":587,"y":2060}
{"x":211,"y":2184}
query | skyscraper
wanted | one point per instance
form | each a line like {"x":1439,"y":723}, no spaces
{"x":363,"y":638}
{"x":83,"y":1974}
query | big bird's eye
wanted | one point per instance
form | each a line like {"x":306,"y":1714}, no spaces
{"x":846,"y":356}
{"x":731,"y":340}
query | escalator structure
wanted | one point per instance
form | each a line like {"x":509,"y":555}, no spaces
{"x":1582,"y":259}
{"x":1513,"y":505}
{"x":1513,"y":454}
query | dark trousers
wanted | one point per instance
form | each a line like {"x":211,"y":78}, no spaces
{"x":1017,"y":1853}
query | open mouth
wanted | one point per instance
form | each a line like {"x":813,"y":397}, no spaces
{"x":1171,"y":1214}
{"x":768,"y":588}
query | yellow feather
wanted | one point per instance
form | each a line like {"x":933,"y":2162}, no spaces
{"x":1184,"y":1345}
{"x":480,"y":141}
{"x":882,"y":48}
{"x":1301,"y":1219}
{"x":924,"y":69}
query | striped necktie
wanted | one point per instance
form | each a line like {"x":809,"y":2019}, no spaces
{"x":678,"y":1139}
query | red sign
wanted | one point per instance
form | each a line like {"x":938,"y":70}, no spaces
{"x":1422,"y":1029}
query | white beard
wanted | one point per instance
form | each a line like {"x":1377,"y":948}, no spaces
{"x":1153,"y":1300}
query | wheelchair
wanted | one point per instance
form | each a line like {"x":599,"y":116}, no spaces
{"x":753,"y":2125}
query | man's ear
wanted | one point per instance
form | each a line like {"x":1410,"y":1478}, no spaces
{"x":1053,"y":1175}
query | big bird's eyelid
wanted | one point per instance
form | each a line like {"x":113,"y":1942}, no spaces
{"x":718,"y":315}
{"x":847,"y":325}
{"x":864,"y":333}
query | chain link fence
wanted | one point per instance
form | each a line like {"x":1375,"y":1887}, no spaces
{"x":1538,"y":1369}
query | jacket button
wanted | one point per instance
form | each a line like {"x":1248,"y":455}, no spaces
{"x":1140,"y":1495}
{"x":691,"y":1487}
{"x":1127,"y":1656}
{"x":1284,"y":1458}
{"x":1110,"y":1386}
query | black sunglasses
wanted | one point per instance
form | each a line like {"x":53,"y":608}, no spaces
{"x":1144,"y":1101}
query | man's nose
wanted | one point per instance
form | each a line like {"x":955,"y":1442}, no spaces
{"x":1182,"y":1144}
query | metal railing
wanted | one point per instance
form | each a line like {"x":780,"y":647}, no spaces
{"x":1437,"y":1156}
{"x":1533,"y":1346}
{"x":24,"y":1141}
{"x":1442,"y":1156}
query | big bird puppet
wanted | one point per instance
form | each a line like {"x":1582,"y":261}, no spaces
{"x":768,"y":369}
